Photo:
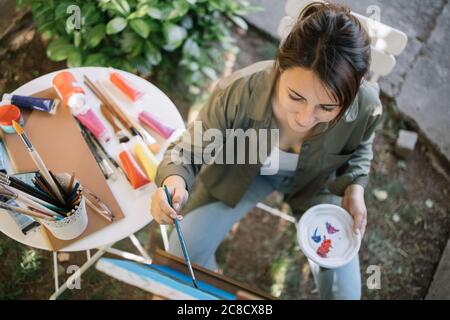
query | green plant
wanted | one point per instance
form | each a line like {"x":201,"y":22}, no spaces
{"x":148,"y":37}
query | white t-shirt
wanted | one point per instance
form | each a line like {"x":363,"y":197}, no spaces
{"x":286,"y":161}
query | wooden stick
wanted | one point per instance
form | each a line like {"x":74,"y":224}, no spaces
{"x":109,"y":104}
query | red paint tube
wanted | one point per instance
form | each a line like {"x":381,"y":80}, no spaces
{"x":134,"y":173}
{"x":153,"y":123}
{"x":125,"y":87}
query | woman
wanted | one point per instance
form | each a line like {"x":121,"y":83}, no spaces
{"x":326,"y":114}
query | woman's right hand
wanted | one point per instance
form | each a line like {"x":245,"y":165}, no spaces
{"x":160,"y":208}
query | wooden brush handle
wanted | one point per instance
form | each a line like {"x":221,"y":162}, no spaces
{"x":109,"y":117}
{"x":109,"y":104}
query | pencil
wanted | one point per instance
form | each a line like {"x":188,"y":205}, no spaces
{"x":37,"y":160}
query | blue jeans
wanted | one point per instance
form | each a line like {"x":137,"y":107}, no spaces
{"x":206,"y":227}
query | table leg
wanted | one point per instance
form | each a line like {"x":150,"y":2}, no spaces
{"x":128,"y":255}
{"x":139,"y":247}
{"x":55,"y":270}
{"x":163,"y":229}
{"x":77,"y":274}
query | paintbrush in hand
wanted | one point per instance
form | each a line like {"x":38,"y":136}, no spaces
{"x":181,"y":238}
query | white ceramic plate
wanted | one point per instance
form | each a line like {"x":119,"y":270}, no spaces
{"x":325,"y":236}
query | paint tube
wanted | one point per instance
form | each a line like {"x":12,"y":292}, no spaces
{"x":69,"y":90}
{"x":125,"y":86}
{"x":90,"y":120}
{"x":129,"y":165}
{"x":145,"y":158}
{"x":27,"y":102}
{"x":73,"y":95}
{"x":155,"y":124}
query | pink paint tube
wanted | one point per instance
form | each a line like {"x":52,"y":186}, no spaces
{"x":153,"y":123}
{"x":125,"y":87}
{"x":90,"y":120}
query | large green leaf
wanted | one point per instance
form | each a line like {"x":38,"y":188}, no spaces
{"x":74,"y":59}
{"x":91,"y":14}
{"x":96,"y":59}
{"x":141,"y":27}
{"x":155,"y":13}
{"x":61,"y":10}
{"x":116,"y":25}
{"x":174,"y":35}
{"x":95,"y":35}
{"x":128,"y":41}
{"x":180,"y":8}
{"x":59,"y":49}
{"x":139,"y":13}
{"x":152,"y":54}
{"x":191,"y":48}
{"x":121,"y":6}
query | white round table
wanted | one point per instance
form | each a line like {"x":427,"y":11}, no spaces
{"x":135,"y":204}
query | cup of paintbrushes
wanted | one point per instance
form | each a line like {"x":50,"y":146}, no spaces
{"x":75,"y":219}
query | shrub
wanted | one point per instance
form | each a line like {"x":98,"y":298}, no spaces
{"x":147,"y":37}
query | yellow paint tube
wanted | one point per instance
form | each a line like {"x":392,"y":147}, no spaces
{"x":145,"y":158}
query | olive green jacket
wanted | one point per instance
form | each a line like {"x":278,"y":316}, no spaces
{"x":334,"y":157}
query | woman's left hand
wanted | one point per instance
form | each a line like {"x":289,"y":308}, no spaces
{"x":353,"y":202}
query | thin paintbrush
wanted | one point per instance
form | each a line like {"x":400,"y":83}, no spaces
{"x":102,"y":163}
{"x":38,"y":160}
{"x":88,"y":136}
{"x":117,"y":112}
{"x":136,"y":128}
{"x":181,"y":238}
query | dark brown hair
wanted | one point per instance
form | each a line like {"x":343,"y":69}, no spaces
{"x":330,"y":41}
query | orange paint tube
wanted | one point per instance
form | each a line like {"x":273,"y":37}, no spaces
{"x":134,"y":173}
{"x":124,"y":85}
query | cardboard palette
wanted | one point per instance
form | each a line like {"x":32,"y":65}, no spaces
{"x":62,"y":147}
